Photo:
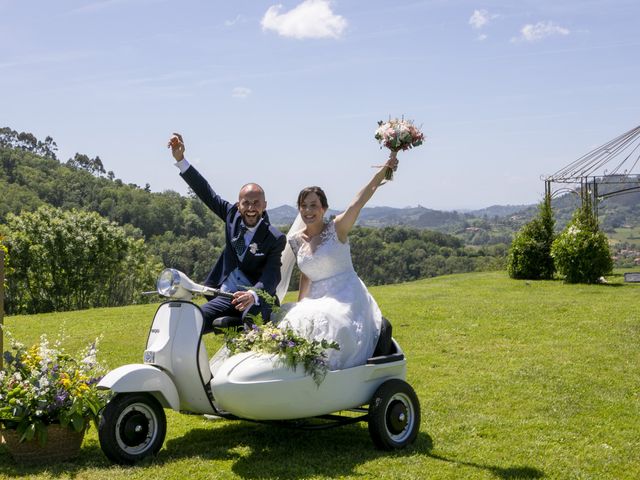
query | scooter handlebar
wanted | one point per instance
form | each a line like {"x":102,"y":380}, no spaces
{"x":215,"y":292}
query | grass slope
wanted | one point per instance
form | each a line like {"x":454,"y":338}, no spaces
{"x":516,"y":379}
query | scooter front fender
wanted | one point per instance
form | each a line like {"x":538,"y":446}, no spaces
{"x":142,"y":378}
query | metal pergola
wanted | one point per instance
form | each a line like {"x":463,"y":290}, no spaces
{"x":615,"y":164}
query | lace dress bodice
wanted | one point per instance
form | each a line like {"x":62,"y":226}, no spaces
{"x":338,"y":306}
{"x":324,"y":256}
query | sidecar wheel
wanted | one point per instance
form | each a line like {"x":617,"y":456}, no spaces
{"x":394,"y":415}
{"x":132,"y":427}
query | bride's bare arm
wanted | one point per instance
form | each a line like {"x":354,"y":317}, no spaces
{"x":303,"y":289}
{"x":345,"y":221}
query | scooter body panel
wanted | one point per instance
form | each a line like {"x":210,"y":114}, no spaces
{"x":175,"y":345}
{"x":142,"y":378}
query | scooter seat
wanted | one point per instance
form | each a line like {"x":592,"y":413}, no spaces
{"x":221,"y":324}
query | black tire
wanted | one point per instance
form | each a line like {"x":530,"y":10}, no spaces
{"x":132,"y":427}
{"x":394,"y":415}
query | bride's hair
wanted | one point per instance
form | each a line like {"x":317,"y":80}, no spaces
{"x":318,"y":191}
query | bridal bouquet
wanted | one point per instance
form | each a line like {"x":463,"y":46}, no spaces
{"x":396,"y":135}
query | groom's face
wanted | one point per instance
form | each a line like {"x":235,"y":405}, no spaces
{"x":251,"y":204}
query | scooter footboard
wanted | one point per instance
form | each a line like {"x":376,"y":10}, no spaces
{"x":142,"y":378}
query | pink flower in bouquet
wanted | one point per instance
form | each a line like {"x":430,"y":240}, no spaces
{"x":396,"y":135}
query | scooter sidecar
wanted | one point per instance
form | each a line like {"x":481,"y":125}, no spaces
{"x":258,"y":387}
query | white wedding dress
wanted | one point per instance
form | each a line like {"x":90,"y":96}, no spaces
{"x":338,"y":307}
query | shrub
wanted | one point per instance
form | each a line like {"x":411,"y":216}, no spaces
{"x":530,"y":253}
{"x":581,"y":252}
{"x":68,"y":260}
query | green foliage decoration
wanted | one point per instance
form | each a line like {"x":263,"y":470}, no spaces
{"x":530,"y":253}
{"x":581,"y":252}
{"x":67,"y":260}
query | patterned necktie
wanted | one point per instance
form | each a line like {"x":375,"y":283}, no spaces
{"x":238,"y":242}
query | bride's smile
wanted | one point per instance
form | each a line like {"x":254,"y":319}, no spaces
{"x":312,"y":212}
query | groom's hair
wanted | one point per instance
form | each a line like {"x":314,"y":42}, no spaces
{"x":251,"y":186}
{"x":318,"y":191}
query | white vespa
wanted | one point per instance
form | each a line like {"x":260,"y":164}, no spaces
{"x":176,"y":374}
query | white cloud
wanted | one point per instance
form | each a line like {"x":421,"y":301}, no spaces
{"x":231,"y":23}
{"x":482,"y":37}
{"x":310,"y":19}
{"x":241,"y":92}
{"x":479,"y":18}
{"x":539,"y":31}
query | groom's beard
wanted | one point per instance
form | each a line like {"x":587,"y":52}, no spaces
{"x":251,"y":221}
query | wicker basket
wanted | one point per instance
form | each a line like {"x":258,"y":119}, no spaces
{"x":63,"y":443}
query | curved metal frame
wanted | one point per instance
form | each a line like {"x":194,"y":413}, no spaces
{"x":621,"y":155}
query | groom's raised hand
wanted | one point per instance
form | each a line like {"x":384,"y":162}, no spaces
{"x":176,"y":144}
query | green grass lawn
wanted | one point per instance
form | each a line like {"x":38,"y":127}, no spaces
{"x":516,"y":380}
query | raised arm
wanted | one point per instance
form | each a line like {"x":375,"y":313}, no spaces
{"x":345,"y":221}
{"x":176,"y":144}
{"x":197,"y":182}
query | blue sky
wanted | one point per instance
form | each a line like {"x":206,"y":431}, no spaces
{"x":288,"y":94}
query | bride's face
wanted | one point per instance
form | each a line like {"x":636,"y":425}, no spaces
{"x":311,"y":209}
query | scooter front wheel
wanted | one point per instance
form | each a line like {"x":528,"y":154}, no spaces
{"x":132,"y":427}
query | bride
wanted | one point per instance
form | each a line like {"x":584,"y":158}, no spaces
{"x":333,"y":303}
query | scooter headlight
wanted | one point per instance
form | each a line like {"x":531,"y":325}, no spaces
{"x":168,"y":282}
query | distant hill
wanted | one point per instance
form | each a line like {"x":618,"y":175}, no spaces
{"x":416,"y":217}
{"x":282,"y":216}
{"x":499,"y":210}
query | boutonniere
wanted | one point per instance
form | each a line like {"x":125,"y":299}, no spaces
{"x":253,"y":248}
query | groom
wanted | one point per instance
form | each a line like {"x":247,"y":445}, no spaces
{"x":250,"y":260}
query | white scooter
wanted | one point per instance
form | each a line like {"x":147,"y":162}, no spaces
{"x":176,"y":374}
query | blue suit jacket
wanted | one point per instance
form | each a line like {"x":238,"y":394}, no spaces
{"x":262,"y":265}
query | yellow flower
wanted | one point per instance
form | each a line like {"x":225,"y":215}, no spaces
{"x":64,"y":380}
{"x":32,"y":358}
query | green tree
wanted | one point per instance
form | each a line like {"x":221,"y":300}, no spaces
{"x":530,"y":253}
{"x":67,"y":260}
{"x":27,"y":141}
{"x":83,"y":162}
{"x":581,"y":252}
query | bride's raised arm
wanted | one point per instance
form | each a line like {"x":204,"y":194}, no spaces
{"x":345,"y":221}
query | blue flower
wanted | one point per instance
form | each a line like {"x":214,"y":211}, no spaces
{"x":8,"y":358}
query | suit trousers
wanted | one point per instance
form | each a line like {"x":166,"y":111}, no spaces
{"x":222,"y":307}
